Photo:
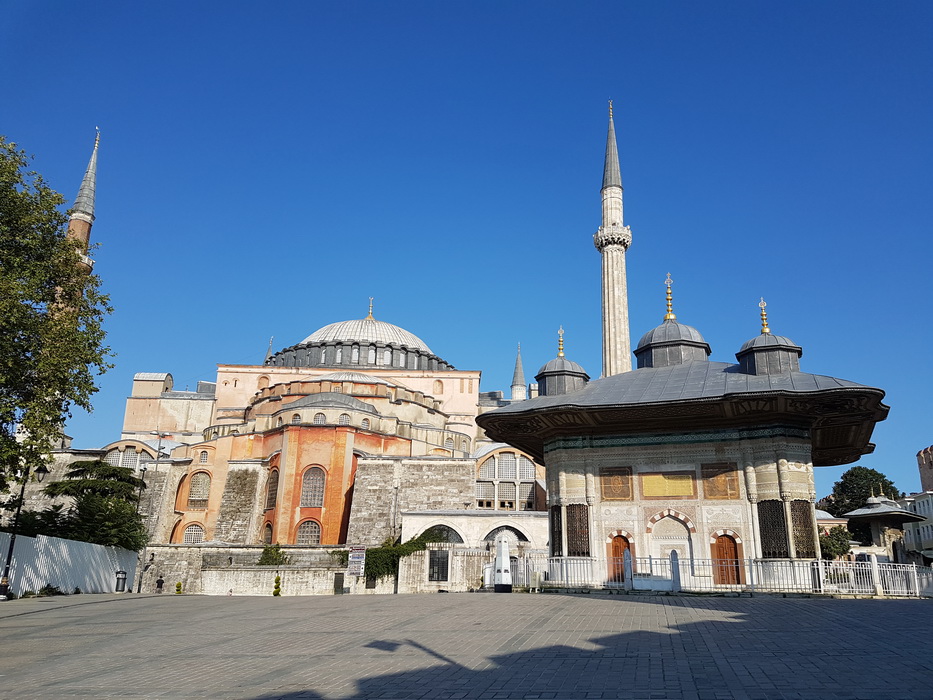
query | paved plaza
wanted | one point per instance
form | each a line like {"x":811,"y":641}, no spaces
{"x":466,"y":646}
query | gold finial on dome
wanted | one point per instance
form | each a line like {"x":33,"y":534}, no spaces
{"x":764,"y":317}
{"x":560,"y":342}
{"x":670,"y":315}
{"x":370,"y":316}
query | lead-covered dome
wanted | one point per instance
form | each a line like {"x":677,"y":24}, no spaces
{"x":367,"y":330}
{"x":671,"y":343}
{"x":769,"y":354}
{"x":360,"y":345}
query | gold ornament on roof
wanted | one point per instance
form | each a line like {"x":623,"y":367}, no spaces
{"x":97,"y":138}
{"x":369,"y":317}
{"x":610,"y":109}
{"x":670,"y":315}
{"x":560,"y":342}
{"x":764,"y":317}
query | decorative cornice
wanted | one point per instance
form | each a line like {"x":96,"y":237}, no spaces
{"x":614,"y":235}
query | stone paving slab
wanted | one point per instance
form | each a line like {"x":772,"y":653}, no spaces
{"x":466,"y":646}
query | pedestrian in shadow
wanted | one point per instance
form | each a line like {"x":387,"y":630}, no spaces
{"x":159,"y":583}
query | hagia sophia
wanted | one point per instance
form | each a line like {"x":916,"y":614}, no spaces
{"x":359,"y":434}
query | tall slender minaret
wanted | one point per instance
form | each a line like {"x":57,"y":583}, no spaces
{"x":612,"y":240}
{"x":519,"y":388}
{"x":82,"y":213}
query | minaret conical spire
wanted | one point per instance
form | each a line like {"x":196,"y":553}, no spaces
{"x":612,"y":240}
{"x":612,"y":174}
{"x":269,"y":351}
{"x":82,"y":213}
{"x":519,"y":388}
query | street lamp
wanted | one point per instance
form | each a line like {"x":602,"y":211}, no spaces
{"x":40,"y":472}
{"x":142,"y":485}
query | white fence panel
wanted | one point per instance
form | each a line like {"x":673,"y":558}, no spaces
{"x":66,"y":564}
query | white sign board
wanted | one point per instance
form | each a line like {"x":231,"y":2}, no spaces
{"x":357,"y":561}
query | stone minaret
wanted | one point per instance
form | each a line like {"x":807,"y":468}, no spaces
{"x":612,"y":240}
{"x":82,"y":213}
{"x":519,"y":389}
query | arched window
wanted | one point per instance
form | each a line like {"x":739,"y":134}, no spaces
{"x":365,"y":424}
{"x":198,"y":490}
{"x":319,"y":419}
{"x":400,"y":360}
{"x":296,"y":419}
{"x":344,"y":419}
{"x":355,"y":355}
{"x":113,"y":458}
{"x":371,"y":355}
{"x":193,"y":534}
{"x":312,"y":488}
{"x":442,"y":533}
{"x":449,"y":443}
{"x":338,"y":357}
{"x":272,"y":488}
{"x":267,"y":534}
{"x":505,"y":481}
{"x":278,"y":422}
{"x":323,"y":356}
{"x":309,"y":533}
{"x":465,"y":445}
{"x":387,"y":357}
{"x":202,"y":458}
{"x":129,"y":459}
{"x":511,"y":534}
{"x":526,"y":468}
{"x":263,"y":382}
{"x":507,"y":466}
{"x":438,"y":387}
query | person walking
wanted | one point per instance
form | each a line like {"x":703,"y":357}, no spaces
{"x":159,"y":583}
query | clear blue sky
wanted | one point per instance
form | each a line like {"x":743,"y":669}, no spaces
{"x":266,"y":167}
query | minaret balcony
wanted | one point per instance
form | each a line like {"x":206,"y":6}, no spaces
{"x":614,"y":235}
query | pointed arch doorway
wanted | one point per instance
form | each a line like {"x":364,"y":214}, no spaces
{"x":620,"y":545}
{"x":725,"y":551}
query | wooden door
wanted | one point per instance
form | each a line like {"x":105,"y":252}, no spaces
{"x":616,"y":564}
{"x":725,"y":561}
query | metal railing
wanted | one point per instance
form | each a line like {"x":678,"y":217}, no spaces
{"x":725,"y":575}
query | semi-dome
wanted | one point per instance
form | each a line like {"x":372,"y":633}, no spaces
{"x":671,"y":343}
{"x":367,"y":330}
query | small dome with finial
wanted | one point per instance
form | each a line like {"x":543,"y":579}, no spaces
{"x":767,"y":353}
{"x":671,"y":343}
{"x":560,"y":375}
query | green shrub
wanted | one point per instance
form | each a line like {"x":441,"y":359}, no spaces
{"x":382,"y":562}
{"x":178,"y":588}
{"x":50,"y":590}
{"x":277,"y":590}
{"x":272,"y":555}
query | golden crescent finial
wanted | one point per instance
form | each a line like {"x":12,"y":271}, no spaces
{"x":764,"y":317}
{"x":370,"y":316}
{"x":670,"y":315}
{"x":560,"y":342}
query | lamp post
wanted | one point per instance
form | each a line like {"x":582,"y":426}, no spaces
{"x":41,"y":471}
{"x":142,"y":485}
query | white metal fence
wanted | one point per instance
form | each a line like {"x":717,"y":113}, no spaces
{"x":724,"y":575}
{"x":67,"y":564}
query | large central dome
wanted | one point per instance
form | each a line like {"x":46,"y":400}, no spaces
{"x":367,"y":330}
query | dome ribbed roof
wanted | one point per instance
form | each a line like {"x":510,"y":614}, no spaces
{"x":670,"y":332}
{"x":561,"y":364}
{"x":768,"y":340}
{"x":367,"y":330}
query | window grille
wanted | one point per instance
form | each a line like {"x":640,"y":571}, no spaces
{"x":557,"y":528}
{"x":129,"y":459}
{"x":319,"y":419}
{"x":487,"y":470}
{"x":355,"y":355}
{"x":296,"y":419}
{"x":387,"y":358}
{"x":773,"y":529}
{"x":438,"y":564}
{"x":202,"y":458}
{"x":507,"y":465}
{"x":465,"y":445}
{"x":309,"y":533}
{"x":194,"y":534}
{"x":113,"y":458}
{"x":365,"y":424}
{"x":526,"y":496}
{"x":485,"y":489}
{"x":449,"y":443}
{"x":272,"y":488}
{"x":267,"y":534}
{"x":344,"y":419}
{"x":506,"y":532}
{"x":371,"y":355}
{"x":801,"y":518}
{"x":507,"y":495}
{"x":578,"y":531}
{"x":442,"y":533}
{"x":198,"y":490}
{"x":526,"y":468}
{"x":312,"y":488}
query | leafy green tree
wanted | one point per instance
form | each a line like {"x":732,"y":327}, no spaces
{"x":272,"y":555}
{"x":107,"y":521}
{"x":854,"y":488}
{"x":51,"y":312}
{"x":836,"y":543}
{"x":100,"y":479}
